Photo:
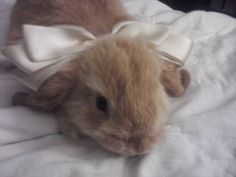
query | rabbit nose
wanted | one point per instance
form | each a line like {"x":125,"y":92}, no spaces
{"x":134,"y":140}
{"x":137,"y":143}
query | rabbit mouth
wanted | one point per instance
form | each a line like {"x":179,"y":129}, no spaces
{"x":130,"y":147}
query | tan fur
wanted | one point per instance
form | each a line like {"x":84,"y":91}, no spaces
{"x":131,"y":76}
{"x":128,"y":76}
{"x":175,"y":80}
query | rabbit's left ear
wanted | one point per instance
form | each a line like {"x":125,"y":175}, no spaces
{"x":51,"y":93}
{"x":175,"y":80}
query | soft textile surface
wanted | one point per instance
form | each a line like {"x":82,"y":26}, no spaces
{"x":199,"y":140}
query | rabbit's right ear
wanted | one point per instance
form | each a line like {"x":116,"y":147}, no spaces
{"x":175,"y":80}
{"x":51,"y":93}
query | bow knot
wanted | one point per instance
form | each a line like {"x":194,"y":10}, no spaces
{"x":43,"y":50}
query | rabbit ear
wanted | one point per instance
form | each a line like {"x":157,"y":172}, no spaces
{"x":175,"y":80}
{"x":51,"y":93}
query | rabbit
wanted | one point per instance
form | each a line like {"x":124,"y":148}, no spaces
{"x":115,"y":92}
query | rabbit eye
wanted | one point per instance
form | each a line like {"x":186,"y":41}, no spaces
{"x":101,"y":103}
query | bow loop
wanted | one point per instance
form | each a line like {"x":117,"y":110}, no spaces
{"x":155,"y":33}
{"x":174,"y":48}
{"x":49,"y":43}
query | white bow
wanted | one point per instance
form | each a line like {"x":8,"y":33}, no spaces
{"x":44,"y":50}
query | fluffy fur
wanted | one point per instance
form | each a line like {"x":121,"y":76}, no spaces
{"x":126,"y":72}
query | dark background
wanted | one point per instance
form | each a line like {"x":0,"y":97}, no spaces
{"x":224,"y":6}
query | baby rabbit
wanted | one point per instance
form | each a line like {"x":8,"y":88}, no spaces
{"x":116,"y":91}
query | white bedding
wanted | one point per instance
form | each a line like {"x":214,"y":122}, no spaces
{"x":199,"y":140}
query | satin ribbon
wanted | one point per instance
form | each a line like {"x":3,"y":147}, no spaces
{"x":43,"y":50}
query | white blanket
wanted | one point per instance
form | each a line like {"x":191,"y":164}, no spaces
{"x":198,"y":141}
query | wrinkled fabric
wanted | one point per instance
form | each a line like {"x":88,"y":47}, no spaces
{"x":199,"y":140}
